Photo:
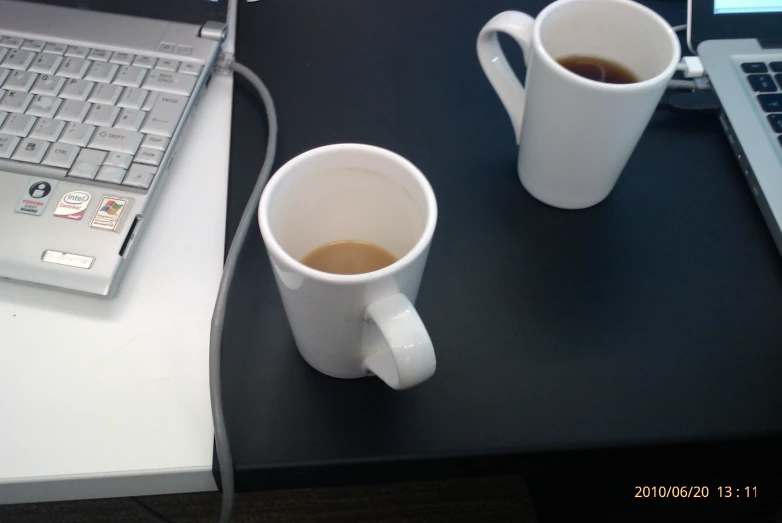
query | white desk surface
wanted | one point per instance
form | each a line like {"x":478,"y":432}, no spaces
{"x":103,"y":398}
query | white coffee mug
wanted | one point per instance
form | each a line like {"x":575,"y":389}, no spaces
{"x":576,"y":134}
{"x":350,"y":326}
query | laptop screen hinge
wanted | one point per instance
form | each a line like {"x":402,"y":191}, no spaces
{"x":212,"y":30}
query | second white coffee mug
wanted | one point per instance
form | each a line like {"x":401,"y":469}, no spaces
{"x":353,"y":325}
{"x":575,"y":135}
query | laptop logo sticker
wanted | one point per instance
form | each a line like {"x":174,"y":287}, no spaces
{"x":108,"y":214}
{"x":64,"y":258}
{"x":73,"y":205}
{"x":36,"y":196}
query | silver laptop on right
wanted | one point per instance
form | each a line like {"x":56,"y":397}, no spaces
{"x":740,"y":45}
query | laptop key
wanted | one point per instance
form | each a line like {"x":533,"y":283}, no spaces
{"x":18,"y":59}
{"x":105,"y":94}
{"x":77,"y":51}
{"x":73,"y":67}
{"x":164,"y":117}
{"x":754,"y":67}
{"x":132,"y":98}
{"x":55,"y":48}
{"x":61,"y":155}
{"x":11,"y":41}
{"x":101,"y":72}
{"x":118,"y":160}
{"x":155,"y":142}
{"x":83,"y":170}
{"x":771,"y":103}
{"x":102,"y":115}
{"x":45,"y":63}
{"x":776,"y":67}
{"x":15,"y":101}
{"x":130,"y":119}
{"x":140,"y":176}
{"x":7,"y":145}
{"x":77,"y":89}
{"x":45,"y":106}
{"x":122,"y":58}
{"x":130,"y":76}
{"x":145,"y":61}
{"x":18,"y":125}
{"x":77,"y":133}
{"x":34,"y":45}
{"x":30,"y":150}
{"x":149,"y":156}
{"x":48,"y":85}
{"x":174,"y":83}
{"x":110,"y":174}
{"x":100,"y":55}
{"x":73,"y":111}
{"x":119,"y":140}
{"x":762,"y":83}
{"x":776,"y":122}
{"x":47,"y":129}
{"x":20,"y":81}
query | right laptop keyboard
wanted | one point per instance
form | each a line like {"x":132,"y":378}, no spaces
{"x":94,"y":114}
{"x":766,"y":80}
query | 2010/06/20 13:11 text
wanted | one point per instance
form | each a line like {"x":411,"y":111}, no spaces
{"x":695,"y":491}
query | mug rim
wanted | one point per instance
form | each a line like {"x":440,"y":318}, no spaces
{"x":421,"y":244}
{"x":664,"y":75}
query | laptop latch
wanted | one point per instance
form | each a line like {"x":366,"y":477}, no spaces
{"x":212,"y":30}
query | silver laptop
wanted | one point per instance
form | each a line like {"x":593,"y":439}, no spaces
{"x":740,"y":45}
{"x":95,"y":97}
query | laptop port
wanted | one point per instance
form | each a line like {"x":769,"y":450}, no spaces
{"x":125,"y":249}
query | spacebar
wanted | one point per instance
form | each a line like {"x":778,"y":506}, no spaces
{"x":31,"y":169}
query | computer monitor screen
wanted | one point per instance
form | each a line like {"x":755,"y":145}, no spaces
{"x":747,"y":6}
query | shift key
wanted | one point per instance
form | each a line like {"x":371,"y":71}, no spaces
{"x":164,"y":116}
{"x":119,"y":140}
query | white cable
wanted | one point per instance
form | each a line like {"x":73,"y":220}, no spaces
{"x":679,"y":28}
{"x":224,"y":458}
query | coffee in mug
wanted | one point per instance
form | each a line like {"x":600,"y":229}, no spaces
{"x":598,"y":69}
{"x":348,"y":257}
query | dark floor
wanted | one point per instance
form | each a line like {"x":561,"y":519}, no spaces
{"x":503,"y":499}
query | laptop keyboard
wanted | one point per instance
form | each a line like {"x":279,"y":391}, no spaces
{"x":91,"y":113}
{"x":766,"y":80}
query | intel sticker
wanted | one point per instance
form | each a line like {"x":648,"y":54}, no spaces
{"x":73,"y":205}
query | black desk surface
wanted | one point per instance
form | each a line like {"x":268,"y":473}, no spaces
{"x":653,"y":317}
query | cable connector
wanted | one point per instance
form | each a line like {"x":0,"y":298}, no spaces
{"x":691,"y":67}
{"x":223,"y":63}
{"x":696,"y":84}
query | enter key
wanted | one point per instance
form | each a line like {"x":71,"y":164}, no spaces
{"x":164,"y":116}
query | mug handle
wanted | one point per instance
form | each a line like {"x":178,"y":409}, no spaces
{"x":519,"y":27}
{"x":407,"y":356}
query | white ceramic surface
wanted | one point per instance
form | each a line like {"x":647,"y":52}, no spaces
{"x":348,"y":326}
{"x":575,"y":134}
